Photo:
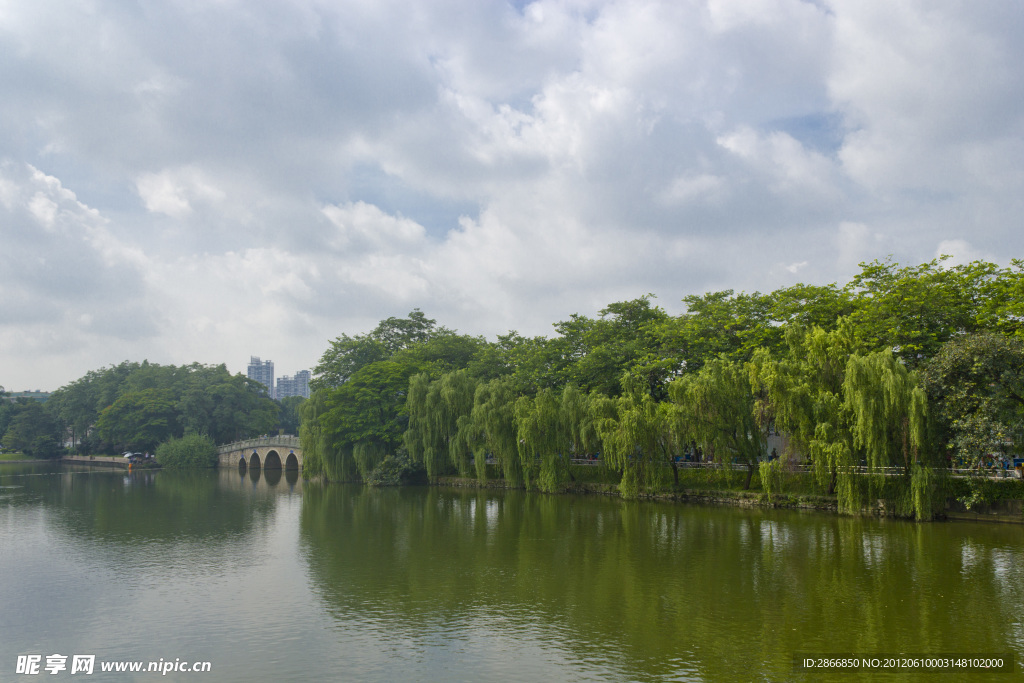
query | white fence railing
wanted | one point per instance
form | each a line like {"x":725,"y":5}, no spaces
{"x":996,"y":474}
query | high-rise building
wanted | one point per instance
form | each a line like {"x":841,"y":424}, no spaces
{"x":262,"y":372}
{"x":294,"y":386}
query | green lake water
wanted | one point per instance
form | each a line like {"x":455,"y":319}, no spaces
{"x":270,"y":578}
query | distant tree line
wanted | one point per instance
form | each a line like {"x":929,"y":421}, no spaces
{"x":137,"y":406}
{"x":916,"y":368}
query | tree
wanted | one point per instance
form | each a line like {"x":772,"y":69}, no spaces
{"x":623,"y":340}
{"x":139,"y":420}
{"x":803,"y":391}
{"x":493,"y":417}
{"x":33,"y":431}
{"x":319,"y":455}
{"x":205,"y":399}
{"x":543,"y":461}
{"x":976,"y":384}
{"x":1001,"y":305}
{"x":289,"y":415}
{"x":639,"y":436}
{"x":347,"y":355}
{"x":889,"y":412}
{"x":364,"y":418}
{"x":719,"y":404}
{"x":913,"y":310}
{"x":434,"y":437}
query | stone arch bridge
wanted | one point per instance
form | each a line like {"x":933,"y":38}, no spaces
{"x":268,"y":452}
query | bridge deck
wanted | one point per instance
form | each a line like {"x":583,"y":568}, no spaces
{"x":267,"y":451}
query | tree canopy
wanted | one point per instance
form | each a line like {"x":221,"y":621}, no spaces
{"x":135,"y":406}
{"x":896,"y":366}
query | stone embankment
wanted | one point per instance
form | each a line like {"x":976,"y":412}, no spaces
{"x":101,"y":460}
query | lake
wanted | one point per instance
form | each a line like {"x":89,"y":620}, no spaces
{"x":269,"y":578}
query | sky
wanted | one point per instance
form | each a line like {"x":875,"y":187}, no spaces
{"x":205,"y":180}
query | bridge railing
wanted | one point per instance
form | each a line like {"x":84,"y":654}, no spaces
{"x":260,"y":442}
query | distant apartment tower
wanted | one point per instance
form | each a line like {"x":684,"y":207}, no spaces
{"x":294,"y":386}
{"x":262,"y":372}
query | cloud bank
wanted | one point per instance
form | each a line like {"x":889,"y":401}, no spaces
{"x":202,"y":181}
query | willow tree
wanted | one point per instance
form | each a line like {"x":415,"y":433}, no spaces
{"x":538,"y":425}
{"x":889,"y":411}
{"x":320,"y":456}
{"x":639,"y":436}
{"x":493,"y":417}
{"x":578,"y":432}
{"x":720,"y":405}
{"x":416,"y":411}
{"x":432,"y":435}
{"x":804,"y":393}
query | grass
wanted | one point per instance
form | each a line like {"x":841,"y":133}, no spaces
{"x":13,"y":456}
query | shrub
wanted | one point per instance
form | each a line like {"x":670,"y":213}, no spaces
{"x":396,"y":470}
{"x":192,"y":451}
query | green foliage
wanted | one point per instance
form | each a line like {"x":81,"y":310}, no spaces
{"x":639,"y":435}
{"x":397,"y":470}
{"x":913,"y":310}
{"x":831,"y":368}
{"x":493,"y":415}
{"x":720,"y":406}
{"x":347,"y":355}
{"x":976,"y":385}
{"x":367,"y":456}
{"x":771,"y":477}
{"x":364,"y":418}
{"x":888,"y":410}
{"x":31,"y":430}
{"x":319,"y":455}
{"x":724,"y":324}
{"x":923,"y":489}
{"x":139,"y":420}
{"x":440,"y":435}
{"x":191,"y":451}
{"x":802,"y":394}
{"x":155,"y":401}
{"x":977,"y":492}
{"x":543,"y":462}
{"x":289,"y":416}
{"x":376,"y":395}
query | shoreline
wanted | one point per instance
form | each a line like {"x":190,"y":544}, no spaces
{"x":999,"y":512}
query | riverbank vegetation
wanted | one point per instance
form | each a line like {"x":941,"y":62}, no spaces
{"x":879,"y":387}
{"x":191,"y":451}
{"x":138,"y":406}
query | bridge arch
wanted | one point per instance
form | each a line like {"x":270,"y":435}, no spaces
{"x":262,"y":452}
{"x":272,"y":461}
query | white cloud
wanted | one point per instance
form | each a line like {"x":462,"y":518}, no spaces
{"x":787,"y":167}
{"x":260,"y":177}
{"x":703,"y":187}
{"x":961,"y":252}
{"x":172,"y":191}
{"x":930,"y":90}
{"x":367,"y":227}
